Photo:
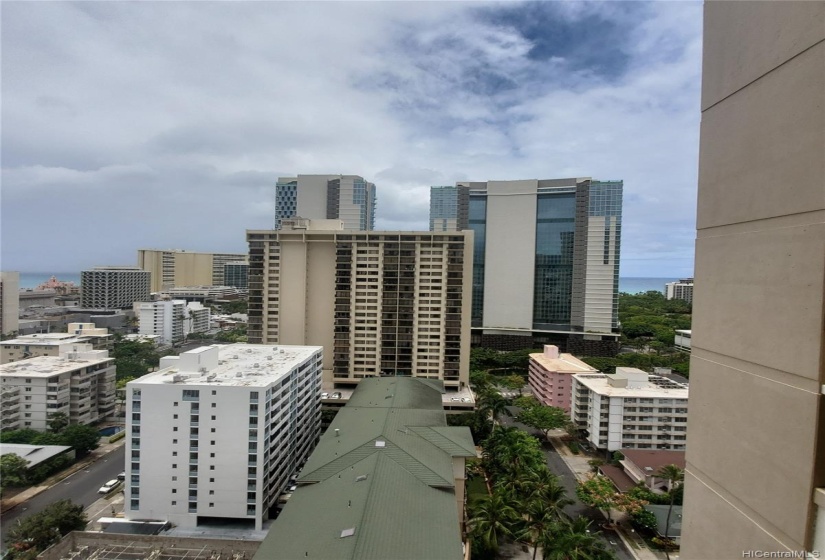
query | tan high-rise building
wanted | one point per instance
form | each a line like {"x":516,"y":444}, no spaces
{"x":379,"y":302}
{"x":9,"y":301}
{"x":177,"y":268}
{"x":756,"y":433}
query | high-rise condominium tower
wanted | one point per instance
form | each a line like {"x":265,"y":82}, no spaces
{"x":755,"y":479}
{"x":348,"y":198}
{"x":175,"y":268}
{"x":113,"y":287}
{"x":546,"y":260}
{"x":380,"y":303}
{"x":449,"y":208}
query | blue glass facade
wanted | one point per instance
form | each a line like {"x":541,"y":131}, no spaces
{"x":286,"y":201}
{"x":555,"y":231}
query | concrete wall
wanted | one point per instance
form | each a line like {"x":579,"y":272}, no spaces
{"x":510,"y":254}
{"x":755,"y":431}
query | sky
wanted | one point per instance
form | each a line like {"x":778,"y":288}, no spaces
{"x":130,"y":125}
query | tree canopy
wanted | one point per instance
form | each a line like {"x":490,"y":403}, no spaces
{"x":39,"y":531}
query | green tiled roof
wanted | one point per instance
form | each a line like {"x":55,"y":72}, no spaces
{"x":406,"y":506}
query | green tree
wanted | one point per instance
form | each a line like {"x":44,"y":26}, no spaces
{"x":599,"y":492}
{"x":82,"y":438}
{"x":41,"y":530}
{"x":574,"y":541}
{"x":13,"y":470}
{"x":544,"y":418}
{"x":515,"y":382}
{"x":643,"y":519}
{"x":492,"y":519}
{"x":673,"y":475}
{"x":493,"y":406}
{"x":26,"y":435}
{"x":57,"y":421}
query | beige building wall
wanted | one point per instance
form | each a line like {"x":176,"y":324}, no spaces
{"x":510,"y":267}
{"x":9,"y":302}
{"x":756,"y":429}
{"x":176,"y":268}
{"x":312,"y":195}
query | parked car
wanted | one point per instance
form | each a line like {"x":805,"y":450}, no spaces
{"x":109,"y":486}
{"x":122,"y":476}
{"x":324,"y":395}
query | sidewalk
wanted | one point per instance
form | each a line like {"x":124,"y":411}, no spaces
{"x":578,"y":464}
{"x":29,"y":493}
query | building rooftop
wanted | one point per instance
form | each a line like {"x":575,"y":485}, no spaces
{"x":565,"y":363}
{"x":48,"y":366}
{"x":234,"y":365}
{"x":654,"y":387}
{"x":380,"y":484}
{"x":34,"y":454}
{"x":651,"y":460}
{"x":45,"y":339}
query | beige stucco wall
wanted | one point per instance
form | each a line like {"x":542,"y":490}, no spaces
{"x":757,"y":361}
{"x":510,"y":254}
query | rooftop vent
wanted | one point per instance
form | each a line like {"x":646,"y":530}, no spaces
{"x":380,"y":443}
{"x":348,"y":532}
{"x":361,"y":478}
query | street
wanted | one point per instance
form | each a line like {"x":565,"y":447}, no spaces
{"x":568,"y":479}
{"x":80,"y":488}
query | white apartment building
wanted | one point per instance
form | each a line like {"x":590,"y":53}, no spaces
{"x":9,"y":301}
{"x":196,"y":318}
{"x":682,"y":289}
{"x":54,"y":344}
{"x":630,"y":409}
{"x":385,"y":303}
{"x":113,"y":287}
{"x":216,"y":432}
{"x":164,"y":318}
{"x":79,"y":383}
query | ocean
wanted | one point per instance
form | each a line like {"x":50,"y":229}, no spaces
{"x":31,"y":280}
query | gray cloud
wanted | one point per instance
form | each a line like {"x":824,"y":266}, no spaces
{"x":129,"y":125}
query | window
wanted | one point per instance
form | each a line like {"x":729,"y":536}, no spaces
{"x":190,"y":394}
{"x":174,"y":465}
{"x":174,"y":417}
{"x":212,"y":467}
{"x":174,"y":428}
{"x":211,"y":492}
{"x":174,"y":503}
{"x":174,"y":490}
{"x":174,"y":478}
{"x":174,"y":453}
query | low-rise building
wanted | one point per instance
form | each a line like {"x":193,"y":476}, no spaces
{"x":79,"y":383}
{"x":386,"y":481}
{"x":55,"y":344}
{"x":630,"y":409}
{"x":215,"y":433}
{"x":681,"y":341}
{"x":550,"y":376}
{"x":642,"y":465}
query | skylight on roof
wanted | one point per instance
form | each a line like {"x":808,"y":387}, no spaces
{"x":380,"y":443}
{"x":348,"y":532}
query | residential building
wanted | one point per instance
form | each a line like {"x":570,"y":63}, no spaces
{"x":9,"y":302}
{"x":171,"y":268}
{"x":195,"y":318}
{"x":164,"y":318}
{"x":681,"y":340}
{"x":348,"y":198}
{"x":630,"y":409}
{"x":641,"y":466}
{"x":113,"y":287}
{"x":546,"y":262}
{"x":386,"y":481}
{"x":755,"y":475}
{"x":215,"y":433}
{"x":55,"y":344}
{"x":380,"y":303}
{"x":550,"y":375}
{"x":79,"y":383}
{"x":236,"y":274}
{"x":449,"y":208}
{"x":681,"y":289}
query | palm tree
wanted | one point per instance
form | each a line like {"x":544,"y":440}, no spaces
{"x":493,"y":405}
{"x":539,"y":521}
{"x":673,"y":475}
{"x":491,"y":519}
{"x":573,"y":541}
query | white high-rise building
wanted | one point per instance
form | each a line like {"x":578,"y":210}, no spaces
{"x":630,"y":409}
{"x":348,"y":198}
{"x":216,"y":432}
{"x":683,"y":289}
{"x":196,"y":318}
{"x":113,"y":287}
{"x":164,"y":318}
{"x":79,"y":382}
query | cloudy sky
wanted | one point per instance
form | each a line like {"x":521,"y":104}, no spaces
{"x":131,"y":125}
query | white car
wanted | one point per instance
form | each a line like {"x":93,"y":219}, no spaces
{"x":324,"y":395}
{"x":109,"y":486}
